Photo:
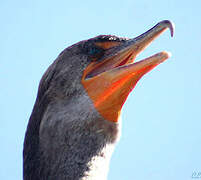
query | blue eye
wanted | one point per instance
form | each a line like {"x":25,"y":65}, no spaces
{"x":94,"y":51}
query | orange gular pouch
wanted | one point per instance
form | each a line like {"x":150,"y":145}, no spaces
{"x":108,"y":82}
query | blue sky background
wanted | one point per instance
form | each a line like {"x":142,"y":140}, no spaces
{"x":161,"y":137}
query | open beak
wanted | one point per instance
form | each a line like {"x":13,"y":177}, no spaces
{"x":109,"y":80}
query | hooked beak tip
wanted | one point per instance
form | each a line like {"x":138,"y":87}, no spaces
{"x":168,"y":24}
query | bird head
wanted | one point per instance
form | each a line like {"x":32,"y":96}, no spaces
{"x":105,"y":67}
{"x":72,"y":129}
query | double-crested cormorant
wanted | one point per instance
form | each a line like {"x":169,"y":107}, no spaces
{"x":74,"y":124}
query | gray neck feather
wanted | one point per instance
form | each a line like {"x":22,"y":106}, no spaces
{"x":75,"y":142}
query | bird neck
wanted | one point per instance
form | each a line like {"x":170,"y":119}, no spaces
{"x":74,"y":142}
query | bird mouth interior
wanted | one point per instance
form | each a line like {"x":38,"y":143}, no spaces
{"x":125,"y":61}
{"x":124,"y":54}
{"x":108,"y":64}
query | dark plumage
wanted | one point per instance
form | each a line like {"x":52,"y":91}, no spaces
{"x":64,"y":126}
{"x":67,"y":136}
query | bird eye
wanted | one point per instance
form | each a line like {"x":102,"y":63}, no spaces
{"x":93,"y":51}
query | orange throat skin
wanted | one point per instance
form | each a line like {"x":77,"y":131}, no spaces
{"x":108,"y":82}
